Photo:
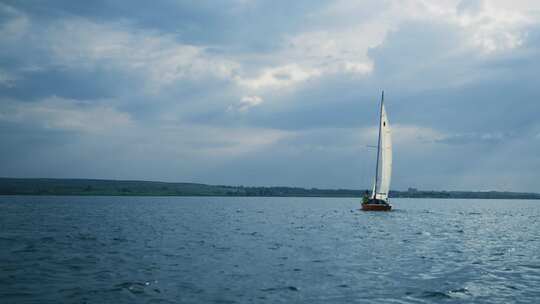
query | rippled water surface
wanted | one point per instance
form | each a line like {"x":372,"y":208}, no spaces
{"x":254,"y":250}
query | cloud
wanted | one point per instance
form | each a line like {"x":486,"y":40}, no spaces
{"x":251,"y":92}
{"x":14,"y":25}
{"x":229,"y":142}
{"x":148,"y":59}
{"x":474,"y":138}
{"x":7,"y":79}
{"x":334,"y":51}
{"x":278,"y":77}
{"x":246,"y":103}
{"x":64,"y":114}
{"x":158,"y":58}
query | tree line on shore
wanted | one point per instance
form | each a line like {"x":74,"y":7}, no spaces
{"x":45,"y":186}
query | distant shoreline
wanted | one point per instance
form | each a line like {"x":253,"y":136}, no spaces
{"x":98,"y":187}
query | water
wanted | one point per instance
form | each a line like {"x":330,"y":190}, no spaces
{"x":267,"y":250}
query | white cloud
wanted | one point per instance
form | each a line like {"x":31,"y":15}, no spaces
{"x":336,"y":50}
{"x":246,"y":103}
{"x":358,"y":67}
{"x":314,"y":54}
{"x":157,"y":58}
{"x":488,"y":25}
{"x":341,"y":46}
{"x":278,"y":77}
{"x":493,"y":28}
{"x":65,"y":114}
{"x":343,"y":43}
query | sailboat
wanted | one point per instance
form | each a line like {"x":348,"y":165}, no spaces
{"x":378,"y":201}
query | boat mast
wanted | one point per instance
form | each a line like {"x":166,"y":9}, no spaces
{"x":378,"y":148}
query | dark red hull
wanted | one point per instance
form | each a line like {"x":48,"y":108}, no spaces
{"x":376,"y":207}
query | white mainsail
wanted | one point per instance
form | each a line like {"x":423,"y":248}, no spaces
{"x":386,"y":157}
{"x":382,"y":183}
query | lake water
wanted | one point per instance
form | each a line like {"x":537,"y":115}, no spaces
{"x":272,"y":250}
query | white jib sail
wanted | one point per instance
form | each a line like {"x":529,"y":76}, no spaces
{"x":386,"y":157}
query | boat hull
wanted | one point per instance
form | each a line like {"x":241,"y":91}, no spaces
{"x":376,"y":207}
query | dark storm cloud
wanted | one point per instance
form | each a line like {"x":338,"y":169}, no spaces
{"x":237,"y":25}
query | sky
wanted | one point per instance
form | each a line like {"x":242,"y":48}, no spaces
{"x":267,"y":93}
